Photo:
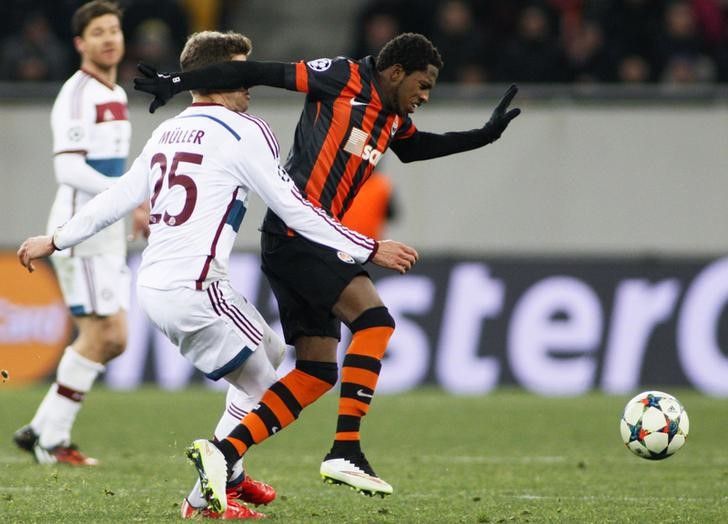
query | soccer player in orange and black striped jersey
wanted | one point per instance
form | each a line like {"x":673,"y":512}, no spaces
{"x":354,"y":111}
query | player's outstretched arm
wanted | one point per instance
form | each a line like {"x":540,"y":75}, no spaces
{"x":34,"y":248}
{"x":424,"y":146}
{"x":502,"y":116}
{"x":225,"y":75}
{"x":395,"y":255}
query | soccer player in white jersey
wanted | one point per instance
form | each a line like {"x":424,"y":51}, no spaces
{"x":197,"y":171}
{"x":91,"y":133}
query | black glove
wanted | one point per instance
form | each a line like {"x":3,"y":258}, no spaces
{"x":500,"y":119}
{"x":162,"y":85}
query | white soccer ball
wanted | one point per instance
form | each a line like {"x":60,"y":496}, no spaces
{"x":654,"y":425}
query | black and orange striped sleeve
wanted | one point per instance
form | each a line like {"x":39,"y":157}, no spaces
{"x":321,"y":78}
{"x":406,"y":130}
{"x":297,"y":78}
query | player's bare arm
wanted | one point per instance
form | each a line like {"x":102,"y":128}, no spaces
{"x":395,"y":255}
{"x":34,"y":248}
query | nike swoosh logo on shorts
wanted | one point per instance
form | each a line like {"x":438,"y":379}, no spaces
{"x":356,"y":102}
{"x":362,"y":393}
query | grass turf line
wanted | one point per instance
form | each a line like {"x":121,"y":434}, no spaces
{"x":505,"y":457}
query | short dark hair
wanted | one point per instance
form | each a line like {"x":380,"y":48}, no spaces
{"x":87,"y":12}
{"x":413,"y":51}
{"x":210,"y":47}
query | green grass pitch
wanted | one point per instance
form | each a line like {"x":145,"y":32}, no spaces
{"x":505,"y":457}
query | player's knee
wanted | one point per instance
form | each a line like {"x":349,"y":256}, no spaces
{"x":114,"y":348}
{"x":327,"y":372}
{"x":275,"y":348}
{"x":373,"y":317}
{"x":113,"y":342}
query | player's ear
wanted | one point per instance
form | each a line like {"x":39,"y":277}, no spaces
{"x":397,"y":73}
{"x":78,"y":43}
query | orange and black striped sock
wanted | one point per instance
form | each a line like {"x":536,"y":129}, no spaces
{"x":360,"y":373}
{"x":280,"y":406}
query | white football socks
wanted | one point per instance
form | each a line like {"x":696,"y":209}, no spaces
{"x":57,"y":412}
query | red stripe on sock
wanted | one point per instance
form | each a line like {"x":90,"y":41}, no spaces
{"x":76,"y":396}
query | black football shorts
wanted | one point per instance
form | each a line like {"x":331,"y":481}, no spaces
{"x":307,"y":280}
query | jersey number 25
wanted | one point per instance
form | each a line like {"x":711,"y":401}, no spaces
{"x":173,"y":179}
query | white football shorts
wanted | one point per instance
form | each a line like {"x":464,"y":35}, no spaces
{"x":95,"y":285}
{"x":216,"y":329}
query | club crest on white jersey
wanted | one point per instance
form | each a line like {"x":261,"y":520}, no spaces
{"x":75,"y":134}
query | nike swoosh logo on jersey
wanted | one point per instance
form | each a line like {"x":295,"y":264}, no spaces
{"x":362,"y":393}
{"x":356,"y":102}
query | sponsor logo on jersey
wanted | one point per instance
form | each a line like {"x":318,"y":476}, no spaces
{"x":345,"y":257}
{"x":111,"y":111}
{"x":357,"y":145}
{"x":395,"y":125}
{"x":357,"y":140}
{"x":320,"y":64}
{"x":372,"y":155}
{"x":356,"y":102}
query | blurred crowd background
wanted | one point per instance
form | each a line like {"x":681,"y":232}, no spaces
{"x":482,"y":41}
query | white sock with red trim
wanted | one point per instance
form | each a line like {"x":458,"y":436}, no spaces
{"x":55,"y":416}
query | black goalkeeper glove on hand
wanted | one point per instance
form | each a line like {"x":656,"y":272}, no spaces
{"x":162,"y":85}
{"x":500,"y":118}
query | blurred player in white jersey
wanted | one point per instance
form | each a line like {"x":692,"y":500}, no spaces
{"x":91,"y":133}
{"x":197,"y":171}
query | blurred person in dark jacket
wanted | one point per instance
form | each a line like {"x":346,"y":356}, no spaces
{"x":377,"y":24}
{"x":533,"y":54}
{"x":35,"y":54}
{"x":461,"y":42}
{"x":588,"y":59}
{"x":681,"y":51}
